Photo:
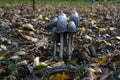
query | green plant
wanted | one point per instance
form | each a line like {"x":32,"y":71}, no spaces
{"x":13,"y":66}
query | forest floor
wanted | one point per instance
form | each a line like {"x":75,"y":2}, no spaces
{"x":26,"y":51}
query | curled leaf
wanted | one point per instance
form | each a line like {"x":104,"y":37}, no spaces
{"x":28,"y":26}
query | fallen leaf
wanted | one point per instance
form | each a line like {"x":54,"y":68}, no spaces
{"x":117,"y":37}
{"x":2,"y":70}
{"x":3,"y":47}
{"x":30,"y":38}
{"x":40,"y":17}
{"x":19,"y":30}
{"x":40,"y":65}
{"x":20,"y":53}
{"x":103,"y":61}
{"x":59,"y":76}
{"x":42,"y":43}
{"x":28,"y":26}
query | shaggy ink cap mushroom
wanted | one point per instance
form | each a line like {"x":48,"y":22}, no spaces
{"x":75,"y":17}
{"x":62,"y":23}
{"x":72,"y":27}
{"x":61,"y":28}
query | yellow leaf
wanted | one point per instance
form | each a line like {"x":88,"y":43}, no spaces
{"x":82,"y":29}
{"x":40,"y":17}
{"x":19,"y":30}
{"x":40,"y":65}
{"x":112,"y":28}
{"x":103,"y":61}
{"x":74,"y":60}
{"x":46,"y":18}
{"x":117,"y":37}
{"x":36,"y":60}
{"x":59,"y":76}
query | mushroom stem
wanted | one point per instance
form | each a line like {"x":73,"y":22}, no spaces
{"x":71,"y":42}
{"x":55,"y":48}
{"x":61,"y":45}
{"x":70,"y":45}
{"x":65,"y":42}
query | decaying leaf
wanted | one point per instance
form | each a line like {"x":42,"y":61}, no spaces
{"x":31,"y":38}
{"x":19,"y":30}
{"x":103,"y":60}
{"x":23,"y":63}
{"x":59,"y":76}
{"x":40,"y":17}
{"x":20,"y":53}
{"x":15,"y":57}
{"x":40,"y":65}
{"x":117,"y":37}
{"x":22,"y":31}
{"x":28,"y":26}
{"x":2,"y":70}
{"x":42,"y":43}
{"x":58,"y":64}
{"x":3,"y":47}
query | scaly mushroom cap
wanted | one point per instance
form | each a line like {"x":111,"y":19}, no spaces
{"x":62,"y":23}
{"x":75,"y":17}
{"x":72,"y":27}
{"x":53,"y":22}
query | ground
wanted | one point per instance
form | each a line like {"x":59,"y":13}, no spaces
{"x":26,"y":51}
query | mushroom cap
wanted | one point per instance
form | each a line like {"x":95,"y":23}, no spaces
{"x":62,"y":23}
{"x":72,"y":27}
{"x":53,"y":22}
{"x":75,"y":17}
{"x":61,"y":14}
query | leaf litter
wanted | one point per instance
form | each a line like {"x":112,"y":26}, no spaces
{"x":26,"y":50}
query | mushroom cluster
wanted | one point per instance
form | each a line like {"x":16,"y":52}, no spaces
{"x":63,"y":30}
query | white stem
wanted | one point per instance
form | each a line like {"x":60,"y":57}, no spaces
{"x":65,"y":42}
{"x":61,"y":46}
{"x":67,"y":48}
{"x":55,"y":48}
{"x":71,"y":42}
{"x":70,"y":46}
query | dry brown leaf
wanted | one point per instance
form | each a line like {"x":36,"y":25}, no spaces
{"x":2,"y":70}
{"x":106,"y":75}
{"x":58,"y":64}
{"x":6,"y":54}
{"x":42,"y":43}
{"x":30,"y":38}
{"x":20,"y":53}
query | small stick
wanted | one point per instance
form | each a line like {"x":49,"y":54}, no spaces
{"x":33,"y":4}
